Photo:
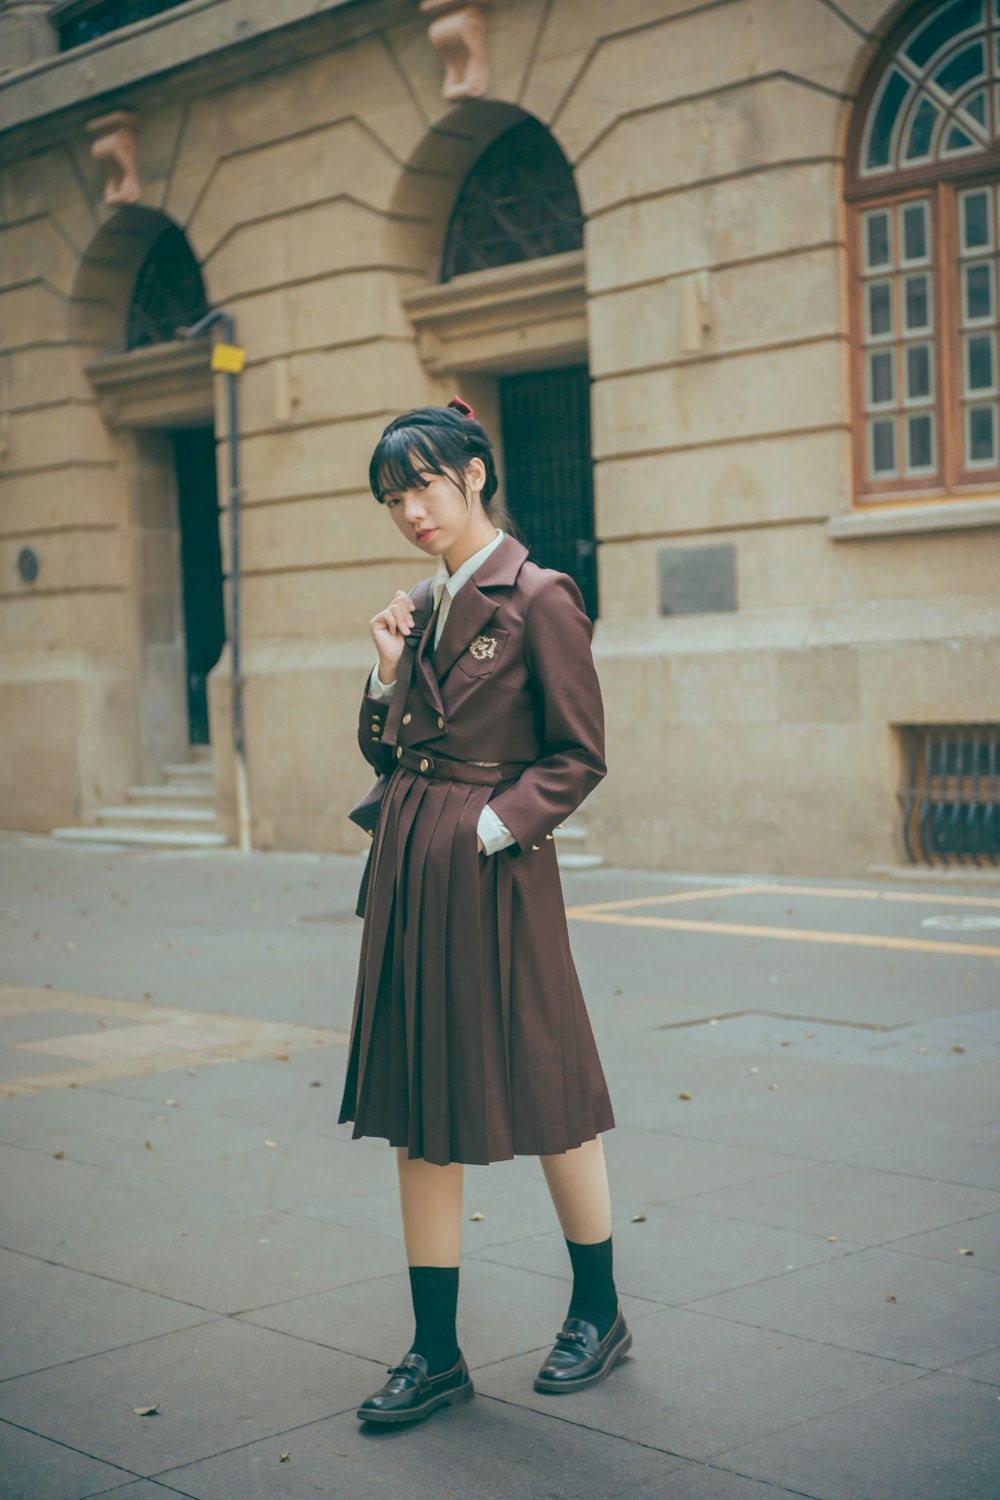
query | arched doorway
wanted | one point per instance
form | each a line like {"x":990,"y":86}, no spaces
{"x":140,"y":287}
{"x":168,"y":296}
{"x":519,"y":203}
{"x":506,"y":321}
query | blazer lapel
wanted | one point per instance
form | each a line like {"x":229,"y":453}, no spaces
{"x":471,"y":609}
{"x":425,"y":664}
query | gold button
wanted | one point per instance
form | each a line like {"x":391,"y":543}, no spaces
{"x":550,"y":835}
{"x":440,"y":722}
{"x":407,"y":718}
{"x":424,"y":765}
{"x":536,"y":846}
{"x":399,"y":752}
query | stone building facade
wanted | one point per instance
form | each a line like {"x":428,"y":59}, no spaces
{"x":796,"y":557}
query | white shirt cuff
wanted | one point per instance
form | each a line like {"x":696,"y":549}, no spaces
{"x":494,"y":834}
{"x":377,"y":688}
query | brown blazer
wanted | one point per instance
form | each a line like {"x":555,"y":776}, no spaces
{"x":511,"y":680}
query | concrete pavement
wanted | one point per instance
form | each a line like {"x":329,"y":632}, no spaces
{"x":806,"y":1177}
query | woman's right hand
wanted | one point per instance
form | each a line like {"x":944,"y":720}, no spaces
{"x":389,"y":629}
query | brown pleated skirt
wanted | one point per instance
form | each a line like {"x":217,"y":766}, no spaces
{"x":470,"y":1040}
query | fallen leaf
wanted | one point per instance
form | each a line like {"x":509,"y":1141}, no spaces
{"x":831,"y":1239}
{"x":958,"y":1049}
{"x":685,"y":1096}
{"x":281,"y":1057}
{"x":772,"y":1088}
{"x":172,"y":1102}
{"x":147,"y":1411}
{"x":60,"y":1155}
{"x":891,"y":1297}
{"x":966,"y":1252}
{"x":638,"y":1218}
{"x":283,"y":1458}
{"x":270,"y":1143}
{"x":476,"y":1218}
{"x":146,"y":995}
{"x":786,"y":1044}
{"x":105,"y":1021}
{"x":315,"y":1084}
{"x":149,"y":1145}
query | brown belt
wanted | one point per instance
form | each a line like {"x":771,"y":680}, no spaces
{"x":443,"y":768}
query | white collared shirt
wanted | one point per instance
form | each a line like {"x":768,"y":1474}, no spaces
{"x":494,"y":834}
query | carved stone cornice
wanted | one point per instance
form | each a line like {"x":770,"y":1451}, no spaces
{"x":113,"y":148}
{"x":457,"y":32}
{"x":510,"y":317}
{"x":164,"y":385}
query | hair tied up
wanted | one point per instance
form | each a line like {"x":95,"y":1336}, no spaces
{"x":457,"y":404}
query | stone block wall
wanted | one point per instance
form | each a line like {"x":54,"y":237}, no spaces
{"x":707,"y":144}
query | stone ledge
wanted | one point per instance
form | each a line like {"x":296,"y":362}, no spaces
{"x":910,"y":520}
{"x":215,"y":34}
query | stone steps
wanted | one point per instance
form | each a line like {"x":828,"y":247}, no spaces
{"x":175,"y":838}
{"x":178,"y":813}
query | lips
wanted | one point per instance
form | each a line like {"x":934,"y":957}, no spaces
{"x":425,"y":536}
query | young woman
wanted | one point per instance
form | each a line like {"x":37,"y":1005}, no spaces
{"x":470,"y":1040}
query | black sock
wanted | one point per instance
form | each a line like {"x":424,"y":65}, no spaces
{"x":434,"y":1290}
{"x":594,"y":1296}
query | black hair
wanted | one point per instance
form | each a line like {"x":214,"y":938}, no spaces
{"x":438,"y":439}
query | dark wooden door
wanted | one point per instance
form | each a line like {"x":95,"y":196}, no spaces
{"x":201,"y":568}
{"x":545,"y":424}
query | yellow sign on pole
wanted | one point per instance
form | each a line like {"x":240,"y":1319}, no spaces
{"x":228,"y":358}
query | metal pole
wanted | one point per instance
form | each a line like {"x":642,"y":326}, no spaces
{"x":219,"y":315}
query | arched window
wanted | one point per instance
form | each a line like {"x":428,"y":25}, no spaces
{"x":924,"y":192}
{"x":168,"y":294}
{"x":519,"y":202}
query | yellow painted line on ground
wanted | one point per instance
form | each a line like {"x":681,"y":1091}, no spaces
{"x":153,"y":1039}
{"x":844,"y":893}
{"x":700,"y":895}
{"x":788,"y":934}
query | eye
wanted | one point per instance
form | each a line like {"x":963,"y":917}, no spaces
{"x":390,"y":501}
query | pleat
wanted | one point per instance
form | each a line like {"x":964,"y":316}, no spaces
{"x":470,"y":1039}
{"x":435,"y":1117}
{"x":414,"y":923}
{"x":466,"y":1018}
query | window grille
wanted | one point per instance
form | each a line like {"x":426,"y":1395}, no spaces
{"x":950,"y":810}
{"x":519,"y":202}
{"x":924,"y":178}
{"x":168,"y":294}
{"x":80,"y":23}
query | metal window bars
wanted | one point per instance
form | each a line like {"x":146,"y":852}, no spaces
{"x":950,"y":810}
{"x":169,"y":293}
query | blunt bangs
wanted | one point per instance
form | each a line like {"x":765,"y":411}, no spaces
{"x":399,"y":460}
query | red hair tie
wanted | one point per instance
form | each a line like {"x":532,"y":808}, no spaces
{"x":457,"y":404}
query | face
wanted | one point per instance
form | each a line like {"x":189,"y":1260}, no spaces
{"x":436,"y":515}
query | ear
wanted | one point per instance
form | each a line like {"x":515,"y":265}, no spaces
{"x":475,"y":475}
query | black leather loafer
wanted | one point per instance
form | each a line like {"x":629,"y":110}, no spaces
{"x":410,"y":1393}
{"x":579,"y":1358}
